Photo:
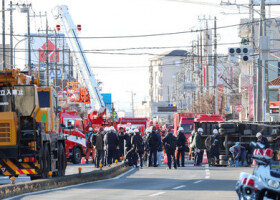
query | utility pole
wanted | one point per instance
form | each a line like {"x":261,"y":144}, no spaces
{"x":3,"y":35}
{"x":199,"y":67}
{"x":69,"y":68}
{"x":251,"y":11}
{"x":47,"y":50}
{"x":29,"y":42}
{"x":215,"y":65}
{"x":192,"y":76}
{"x":11,"y":34}
{"x":263,"y":46}
{"x":63,"y":64}
{"x":55,"y":60}
{"x":132,"y":103}
{"x":201,"y":64}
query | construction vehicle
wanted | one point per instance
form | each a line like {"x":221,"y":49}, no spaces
{"x":30,"y":143}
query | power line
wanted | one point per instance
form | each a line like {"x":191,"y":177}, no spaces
{"x":150,"y":35}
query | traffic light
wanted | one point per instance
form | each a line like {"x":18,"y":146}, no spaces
{"x":243,"y":52}
{"x":244,"y":41}
{"x":245,"y":56}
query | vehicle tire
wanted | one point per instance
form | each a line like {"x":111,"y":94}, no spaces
{"x":227,"y":125}
{"x":47,"y":161}
{"x":223,"y":162}
{"x":77,"y":155}
{"x":61,"y":160}
{"x":223,"y":157}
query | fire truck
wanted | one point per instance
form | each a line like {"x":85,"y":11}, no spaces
{"x":30,"y":143}
{"x":71,"y":125}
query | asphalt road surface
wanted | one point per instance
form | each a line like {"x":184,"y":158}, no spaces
{"x":154,"y":183}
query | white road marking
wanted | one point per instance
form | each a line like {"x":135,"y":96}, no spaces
{"x":178,"y":187}
{"x":70,"y":186}
{"x":156,"y":194}
{"x":207,"y":177}
{"x":207,"y":170}
{"x":196,"y":182}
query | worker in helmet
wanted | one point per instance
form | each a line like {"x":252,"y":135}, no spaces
{"x":137,"y":148}
{"x":121,"y":136}
{"x":90,"y":148}
{"x":99,"y":148}
{"x":197,"y":145}
{"x":215,"y":146}
{"x":239,"y":154}
{"x":111,"y":143}
{"x":181,"y":147}
{"x":152,"y":142}
{"x":129,"y":150}
{"x":262,"y":139}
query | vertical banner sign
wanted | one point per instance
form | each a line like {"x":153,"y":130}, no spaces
{"x":251,"y":99}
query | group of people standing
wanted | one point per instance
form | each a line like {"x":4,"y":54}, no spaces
{"x":107,"y":146}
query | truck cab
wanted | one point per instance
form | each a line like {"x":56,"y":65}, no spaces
{"x":72,"y":127}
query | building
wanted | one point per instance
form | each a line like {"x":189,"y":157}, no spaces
{"x":162,"y":71}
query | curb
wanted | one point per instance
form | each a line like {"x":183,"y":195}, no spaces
{"x":45,"y":184}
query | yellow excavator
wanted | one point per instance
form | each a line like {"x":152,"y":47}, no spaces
{"x":30,"y":143}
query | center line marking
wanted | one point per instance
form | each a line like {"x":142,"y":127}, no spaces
{"x":178,"y":187}
{"x":156,"y":194}
{"x":197,"y":181}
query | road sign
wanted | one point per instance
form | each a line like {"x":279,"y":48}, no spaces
{"x":189,"y":86}
{"x":239,"y":108}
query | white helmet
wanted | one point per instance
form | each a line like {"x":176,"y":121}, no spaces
{"x":127,"y":128}
{"x":180,"y":129}
{"x":136,"y":130}
{"x":106,"y":129}
{"x":215,"y":131}
{"x":90,"y":129}
{"x":149,"y":130}
{"x":130,"y":131}
{"x":200,"y":129}
{"x":259,"y":134}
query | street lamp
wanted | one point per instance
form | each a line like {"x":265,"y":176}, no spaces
{"x":15,"y":50}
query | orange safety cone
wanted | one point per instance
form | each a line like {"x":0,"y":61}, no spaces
{"x":165,"y":159}
{"x":83,"y":161}
{"x":205,"y":159}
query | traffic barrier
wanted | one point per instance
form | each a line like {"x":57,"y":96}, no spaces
{"x":56,"y":182}
{"x":205,"y":159}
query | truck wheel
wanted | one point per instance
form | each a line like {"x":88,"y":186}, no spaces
{"x":61,"y":160}
{"x":77,"y":155}
{"x":47,"y":162}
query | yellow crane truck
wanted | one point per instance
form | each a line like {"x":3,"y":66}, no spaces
{"x":30,"y":143}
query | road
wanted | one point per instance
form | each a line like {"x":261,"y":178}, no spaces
{"x":154,"y":183}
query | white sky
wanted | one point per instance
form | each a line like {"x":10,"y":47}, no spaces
{"x":130,"y":17}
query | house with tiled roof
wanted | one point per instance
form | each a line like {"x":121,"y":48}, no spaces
{"x":274,"y":87}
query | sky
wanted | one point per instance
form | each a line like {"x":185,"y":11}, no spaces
{"x":123,"y":73}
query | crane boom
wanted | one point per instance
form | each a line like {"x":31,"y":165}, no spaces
{"x":83,"y":66}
